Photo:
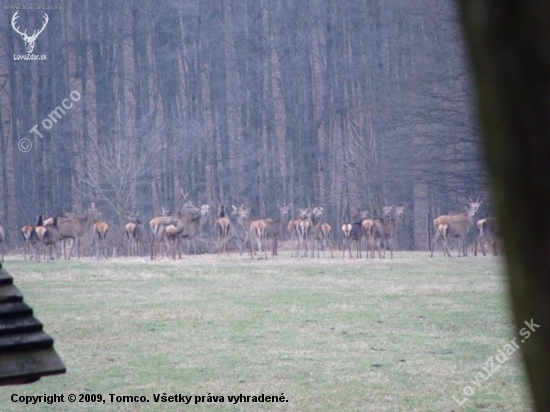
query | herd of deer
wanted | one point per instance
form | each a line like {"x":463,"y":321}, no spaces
{"x":307,"y":232}
{"x":46,"y":234}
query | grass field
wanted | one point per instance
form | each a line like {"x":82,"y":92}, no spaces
{"x":330,"y":334}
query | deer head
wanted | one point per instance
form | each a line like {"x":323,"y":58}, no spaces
{"x":29,"y":40}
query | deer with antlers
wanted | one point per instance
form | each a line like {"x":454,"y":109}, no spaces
{"x":320,"y":232}
{"x":29,"y":40}
{"x":254,"y":230}
{"x":455,"y":226}
{"x":188,"y":225}
{"x":488,"y":232}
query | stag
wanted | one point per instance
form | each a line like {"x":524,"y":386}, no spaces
{"x":455,"y":226}
{"x":2,"y":240}
{"x":188,"y":225}
{"x":488,"y":232}
{"x":222,"y":228}
{"x":29,"y":40}
{"x":157,"y":225}
{"x":100,"y":230}
{"x":320,"y":232}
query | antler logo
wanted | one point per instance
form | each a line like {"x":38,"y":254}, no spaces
{"x":29,"y":40}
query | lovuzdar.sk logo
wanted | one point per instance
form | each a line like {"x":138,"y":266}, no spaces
{"x":30,"y":41}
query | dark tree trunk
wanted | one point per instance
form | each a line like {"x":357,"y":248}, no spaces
{"x":510,"y":49}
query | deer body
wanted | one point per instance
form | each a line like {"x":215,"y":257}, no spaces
{"x":320,"y":232}
{"x":455,"y":226}
{"x":255,"y":230}
{"x":488,"y":232}
{"x":74,"y":228}
{"x":157,"y":225}
{"x":222,"y":228}
{"x":100,"y":230}
{"x":134,"y":235}
{"x":31,"y":239}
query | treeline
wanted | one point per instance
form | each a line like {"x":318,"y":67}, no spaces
{"x":348,"y":105}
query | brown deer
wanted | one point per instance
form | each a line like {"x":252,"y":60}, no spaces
{"x":391,"y":226}
{"x":49,"y":236}
{"x":488,"y":232}
{"x":455,"y":226}
{"x":292,"y":230}
{"x":188,"y":225}
{"x":222,"y":228}
{"x":74,"y":228}
{"x":254,"y":231}
{"x":100,"y":230}
{"x":193,"y":228}
{"x":272,"y":231}
{"x":304,"y":231}
{"x":353,"y":232}
{"x":367,"y":225}
{"x":320,"y":232}
{"x":157,"y":225}
{"x":2,"y":240}
{"x":346,"y":239}
{"x":134,"y":235}
{"x":31,"y":239}
{"x":284,"y":212}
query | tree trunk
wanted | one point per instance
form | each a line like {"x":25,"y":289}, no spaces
{"x":510,"y":50}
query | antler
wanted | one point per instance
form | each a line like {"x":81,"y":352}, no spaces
{"x":13,"y":21}
{"x":36,"y":33}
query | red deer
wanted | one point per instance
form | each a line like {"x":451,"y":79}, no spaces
{"x":193,"y":228}
{"x":100,"y":230}
{"x":346,"y":232}
{"x":74,"y":228}
{"x":254,"y":231}
{"x":157,"y":226}
{"x":188,"y":225}
{"x":292,"y":230}
{"x":134,"y":235}
{"x":49,"y":236}
{"x":455,"y":226}
{"x":488,"y":232}
{"x":391,"y":225}
{"x":368,"y":225}
{"x":304,"y":231}
{"x":31,"y":239}
{"x":222,"y":228}
{"x":272,"y":230}
{"x":320,"y":232}
{"x":284,"y":214}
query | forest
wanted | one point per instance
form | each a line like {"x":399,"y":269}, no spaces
{"x":349,"y":105}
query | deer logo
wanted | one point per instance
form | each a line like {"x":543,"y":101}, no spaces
{"x":29,"y":40}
